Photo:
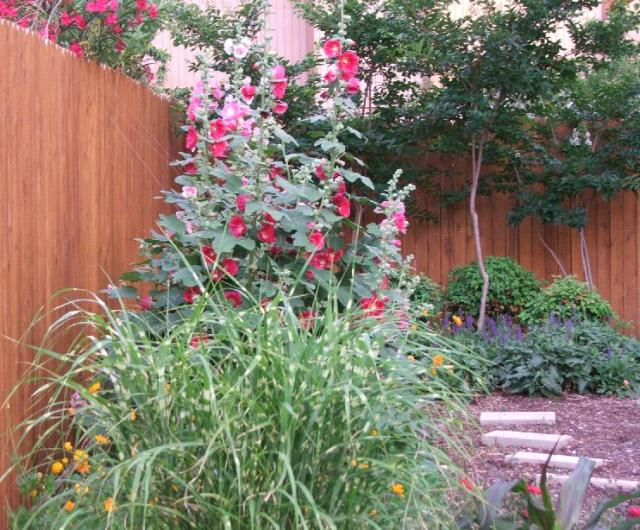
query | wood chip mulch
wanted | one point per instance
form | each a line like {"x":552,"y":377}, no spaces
{"x":601,"y":427}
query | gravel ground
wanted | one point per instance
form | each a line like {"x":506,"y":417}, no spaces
{"x":601,"y":427}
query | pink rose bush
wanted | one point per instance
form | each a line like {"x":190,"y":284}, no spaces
{"x":117,"y":33}
{"x":255,"y":217}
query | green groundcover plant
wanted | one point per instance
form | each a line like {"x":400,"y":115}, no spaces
{"x":238,"y":419}
{"x":510,"y":288}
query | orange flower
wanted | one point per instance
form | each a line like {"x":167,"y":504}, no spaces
{"x":438,"y":360}
{"x":69,"y":505}
{"x":397,"y":489}
{"x":57,"y":468}
{"x":110,"y":505}
{"x":101,"y":439}
{"x":83,"y":467}
{"x":133,"y":415}
{"x":95,"y":387}
{"x":456,"y":320}
{"x":68,"y":446}
{"x":467,"y":483}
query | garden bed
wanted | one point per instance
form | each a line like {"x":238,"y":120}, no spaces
{"x":601,"y":427}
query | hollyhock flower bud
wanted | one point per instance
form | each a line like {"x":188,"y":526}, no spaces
{"x":192,"y":139}
{"x":332,"y":74}
{"x":280,"y":107}
{"x":237,"y":226}
{"x":241,"y":203}
{"x":348,"y":65}
{"x":332,"y":48}
{"x":234,"y":297}
{"x":189,"y":192}
{"x":353,"y":85}
{"x":317,"y":240}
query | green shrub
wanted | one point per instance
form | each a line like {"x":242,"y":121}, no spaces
{"x":566,"y":298}
{"x":427,"y":298}
{"x":240,"y":419}
{"x":510,"y":287}
{"x":558,"y":356}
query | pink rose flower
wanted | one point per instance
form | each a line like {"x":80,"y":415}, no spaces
{"x":237,"y":226}
{"x":332,"y":48}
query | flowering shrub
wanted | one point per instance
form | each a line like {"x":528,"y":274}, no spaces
{"x":117,"y":33}
{"x":259,"y":423}
{"x":251,"y":213}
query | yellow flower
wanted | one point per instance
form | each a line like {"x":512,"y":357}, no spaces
{"x":364,"y":465}
{"x":83,"y":467}
{"x":68,"y":446}
{"x":375,"y":432}
{"x":65,"y":460}
{"x":414,"y":327}
{"x":354,"y":463}
{"x":425,"y":312}
{"x":69,"y":505}
{"x":110,"y":505}
{"x":167,"y":388}
{"x":101,"y":439}
{"x":57,"y":468}
{"x":79,"y":454}
{"x":434,"y":371}
{"x":133,"y":415}
{"x":95,"y":387}
{"x":457,"y":320}
{"x":397,"y":489}
{"x":410,"y":358}
{"x":438,"y":360}
{"x":80,"y":489}
{"x":34,"y":493}
{"x":373,"y":513}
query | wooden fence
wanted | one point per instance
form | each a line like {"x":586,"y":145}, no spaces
{"x":83,"y":154}
{"x":612,"y":236}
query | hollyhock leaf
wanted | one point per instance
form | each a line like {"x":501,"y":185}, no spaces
{"x":224,"y":242}
{"x":186,"y":275}
{"x":124,"y":292}
{"x":171,"y":222}
{"x":356,"y":133}
{"x":248,"y":244}
{"x":330,"y":146}
{"x":310,"y":193}
{"x":331,"y":217}
{"x":131,"y":276}
{"x":267,"y":289}
{"x":283,"y":136}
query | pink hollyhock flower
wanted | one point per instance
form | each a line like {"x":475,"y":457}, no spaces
{"x":111,"y":19}
{"x":189,"y":192}
{"x":373,"y":306}
{"x":145,"y":303}
{"x":534,"y":490}
{"x":348,"y":64}
{"x":331,"y":75}
{"x":113,"y":5}
{"x":233,"y":111}
{"x":278,"y":73}
{"x":191,"y":294}
{"x":401,"y":222}
{"x":192,"y":139}
{"x":342,"y":204}
{"x":141,"y":5}
{"x":633,"y":512}
{"x":341,"y":186}
{"x":248,"y":92}
{"x":332,"y":48}
{"x":76,"y":49}
{"x":230,"y":266}
{"x":234,"y":297}
{"x":267,"y":233}
{"x":208,"y":254}
{"x":190,"y":168}
{"x":241,"y":203}
{"x":279,"y":89}
{"x":79,"y":21}
{"x":219,"y":149}
{"x":195,"y":100}
{"x":353,"y":85}
{"x":268,"y":218}
{"x":237,"y":226}
{"x":65,"y":20}
{"x":309,"y":274}
{"x":317,"y":240}
{"x":320,"y":172}
{"x":307,"y":319}
{"x":280,"y":107}
{"x":396,"y":243}
{"x":153,"y":11}
{"x":217,"y":129}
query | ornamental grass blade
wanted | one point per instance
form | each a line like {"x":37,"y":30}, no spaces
{"x":493,"y":499}
{"x":592,"y":523}
{"x":573,"y":492}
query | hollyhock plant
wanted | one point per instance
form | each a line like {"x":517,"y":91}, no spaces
{"x":254,"y":215}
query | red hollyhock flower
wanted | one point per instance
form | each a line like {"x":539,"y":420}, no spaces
{"x":248,"y":92}
{"x":341,"y":187}
{"x":196,"y":340}
{"x":373,"y":306}
{"x":268,"y":218}
{"x":279,"y":89}
{"x":234,"y":297}
{"x":534,"y":490}
{"x":209,"y":255}
{"x":468,"y":485}
{"x":267,"y":233}
{"x":332,"y":48}
{"x":342,"y":204}
{"x":219,"y":149}
{"x":237,"y":226}
{"x":326,"y":259}
{"x":280,"y":107}
{"x":217,"y":129}
{"x":348,"y":64}
{"x":320,"y":172}
{"x":145,"y":303}
{"x":65,"y":20}
{"x":76,"y":49}
{"x":153,"y":11}
{"x":317,"y":240}
{"x":241,"y":203}
{"x":307,"y":319}
{"x":310,"y":275}
{"x":230,"y":266}
{"x":353,"y":85}
{"x":633,"y":512}
{"x":191,"y":293}
{"x":190,"y":168}
{"x":192,"y":139}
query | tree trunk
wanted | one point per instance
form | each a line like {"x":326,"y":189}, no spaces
{"x":476,"y":167}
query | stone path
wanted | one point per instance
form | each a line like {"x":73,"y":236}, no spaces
{"x":541,"y":441}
